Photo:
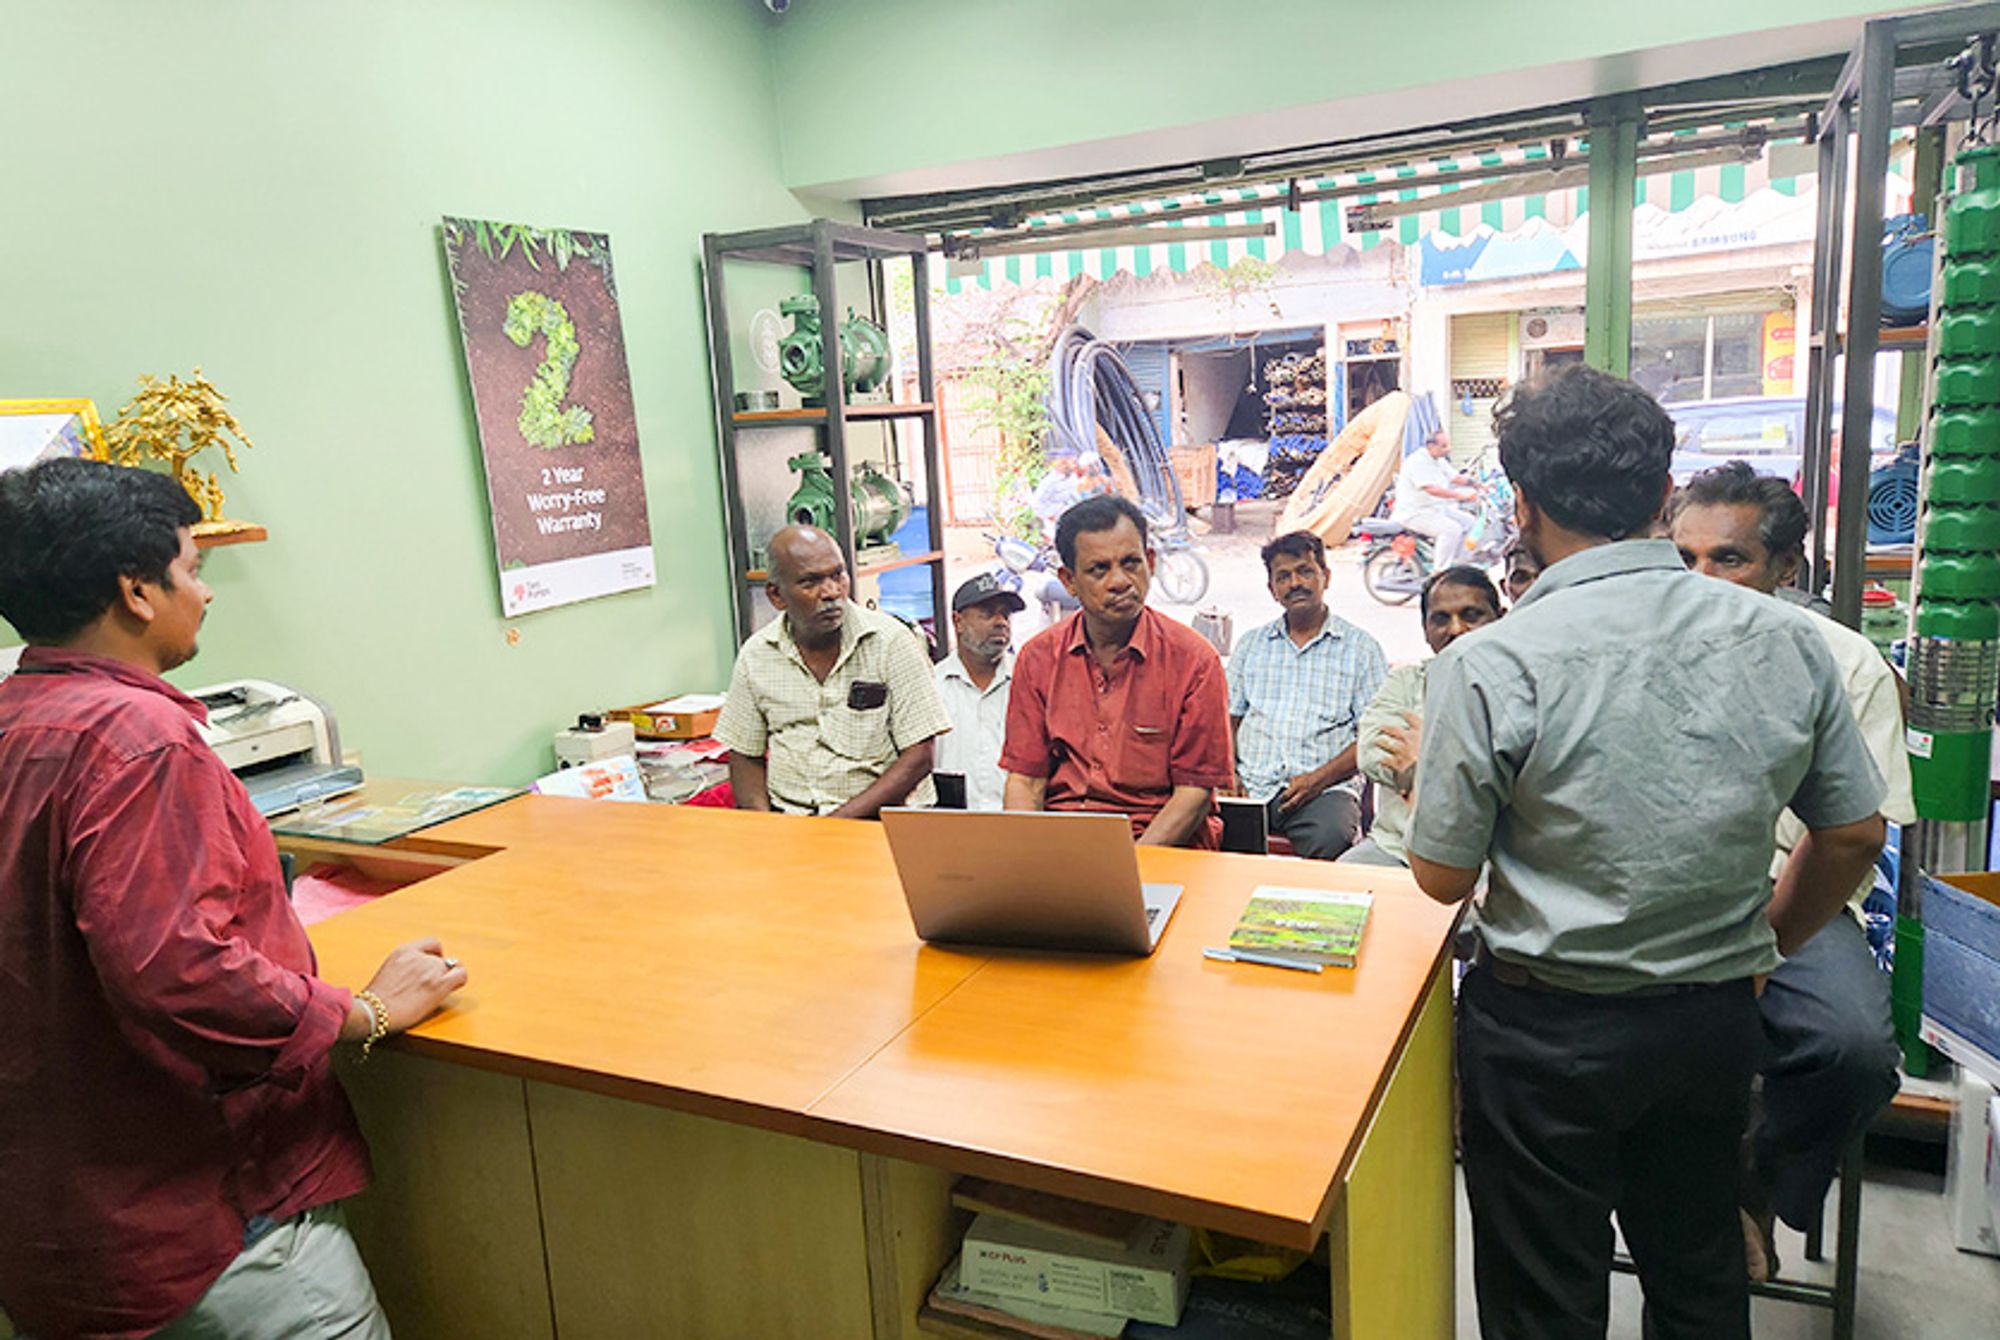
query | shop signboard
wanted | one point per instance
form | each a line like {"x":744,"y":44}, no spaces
{"x":1780,"y":349}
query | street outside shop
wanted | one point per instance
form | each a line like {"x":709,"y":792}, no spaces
{"x":1236,"y":587}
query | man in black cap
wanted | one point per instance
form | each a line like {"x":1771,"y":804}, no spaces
{"x":973,"y":682}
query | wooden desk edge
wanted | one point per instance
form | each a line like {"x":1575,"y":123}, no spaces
{"x":1277,"y":1230}
{"x":1440,"y":964}
{"x":738,"y":1111}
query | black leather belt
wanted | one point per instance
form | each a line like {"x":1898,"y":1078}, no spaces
{"x":1515,"y":975}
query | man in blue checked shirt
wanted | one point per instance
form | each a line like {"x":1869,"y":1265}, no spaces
{"x":1297,"y":686}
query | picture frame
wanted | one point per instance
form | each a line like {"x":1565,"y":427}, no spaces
{"x":35,"y":430}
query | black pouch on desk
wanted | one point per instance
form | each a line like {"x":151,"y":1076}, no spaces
{"x":865,"y":695}
{"x":1243,"y":825}
{"x":950,"y":790}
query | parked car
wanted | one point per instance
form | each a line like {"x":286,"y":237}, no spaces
{"x":1766,"y":431}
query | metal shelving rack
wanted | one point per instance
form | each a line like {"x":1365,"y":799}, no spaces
{"x":818,"y":247}
{"x":1895,"y":78}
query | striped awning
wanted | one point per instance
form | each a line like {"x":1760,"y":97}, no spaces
{"x":1317,"y":227}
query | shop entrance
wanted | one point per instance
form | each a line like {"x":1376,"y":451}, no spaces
{"x":1222,"y":391}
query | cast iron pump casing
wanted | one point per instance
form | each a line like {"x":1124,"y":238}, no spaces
{"x":881,"y":504}
{"x":864,"y":351}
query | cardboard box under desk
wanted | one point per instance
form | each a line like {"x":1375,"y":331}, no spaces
{"x":1962,"y":956}
{"x":1146,"y":1278}
{"x":649,"y":725}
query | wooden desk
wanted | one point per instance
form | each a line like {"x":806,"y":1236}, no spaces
{"x":705,"y":1082}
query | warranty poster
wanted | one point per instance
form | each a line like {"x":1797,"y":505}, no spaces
{"x":538,"y":315}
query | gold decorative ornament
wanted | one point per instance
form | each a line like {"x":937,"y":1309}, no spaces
{"x":173,"y":421}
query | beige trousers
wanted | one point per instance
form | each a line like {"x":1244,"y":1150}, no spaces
{"x":303,"y":1280}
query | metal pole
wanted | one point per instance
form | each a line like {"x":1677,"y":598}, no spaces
{"x":1925,"y":180}
{"x":1607,"y":302}
{"x":1829,"y":261}
{"x":937,"y":476}
{"x":1864,"y":319}
{"x":835,"y":390}
{"x":722,"y":380}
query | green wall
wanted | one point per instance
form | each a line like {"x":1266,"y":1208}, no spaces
{"x":1027,"y":75}
{"x":254,"y":186}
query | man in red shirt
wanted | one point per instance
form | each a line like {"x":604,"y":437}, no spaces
{"x":173,"y":1142}
{"x":1118,"y":708}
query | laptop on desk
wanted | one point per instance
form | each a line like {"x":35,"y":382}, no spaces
{"x":1039,"y":880}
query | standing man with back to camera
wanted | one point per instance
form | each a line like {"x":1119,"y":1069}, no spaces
{"x":173,"y":1143}
{"x":1619,"y":748}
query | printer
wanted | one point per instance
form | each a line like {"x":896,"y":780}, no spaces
{"x":283,"y":743}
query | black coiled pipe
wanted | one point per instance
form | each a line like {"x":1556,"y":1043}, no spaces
{"x":1090,"y":387}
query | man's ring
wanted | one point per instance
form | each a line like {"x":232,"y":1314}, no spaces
{"x":450,"y":963}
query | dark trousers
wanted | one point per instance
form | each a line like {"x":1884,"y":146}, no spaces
{"x":1830,"y":1067}
{"x":1323,"y":827}
{"x":1576,"y":1107}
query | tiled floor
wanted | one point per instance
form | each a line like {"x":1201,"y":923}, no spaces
{"x":1914,"y":1284}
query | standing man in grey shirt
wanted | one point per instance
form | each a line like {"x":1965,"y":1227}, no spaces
{"x":1618,"y":750}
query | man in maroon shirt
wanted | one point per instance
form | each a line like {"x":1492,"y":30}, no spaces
{"x":173,"y":1142}
{"x":1118,"y":708}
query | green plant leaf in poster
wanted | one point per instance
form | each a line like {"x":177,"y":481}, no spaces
{"x":545,"y":420}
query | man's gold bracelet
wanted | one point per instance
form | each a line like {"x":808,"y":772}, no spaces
{"x":378,"y":1020}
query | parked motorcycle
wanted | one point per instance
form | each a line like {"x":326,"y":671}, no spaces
{"x":1395,"y":560}
{"x":1030,"y":573}
{"x":1179,"y":571}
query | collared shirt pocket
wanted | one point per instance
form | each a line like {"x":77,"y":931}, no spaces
{"x":857,"y":732}
{"x":1142,"y":763}
{"x":1336,"y":723}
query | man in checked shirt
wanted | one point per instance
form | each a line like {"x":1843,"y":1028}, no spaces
{"x":832,"y":707}
{"x":1297,"y":688}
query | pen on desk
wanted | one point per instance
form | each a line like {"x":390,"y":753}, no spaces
{"x":1268,"y":960}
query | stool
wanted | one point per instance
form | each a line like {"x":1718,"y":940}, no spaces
{"x":1839,"y":1296}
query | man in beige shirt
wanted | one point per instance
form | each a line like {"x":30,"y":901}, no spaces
{"x":1453,"y":603}
{"x":831,"y":708}
{"x":1826,"y":1009}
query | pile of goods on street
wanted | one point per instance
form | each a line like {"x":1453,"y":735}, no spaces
{"x":1296,"y":421}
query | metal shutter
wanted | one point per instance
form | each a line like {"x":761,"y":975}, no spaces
{"x":1148,"y":361}
{"x":1482,"y":365}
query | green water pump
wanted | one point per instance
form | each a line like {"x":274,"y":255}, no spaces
{"x":881,"y":504}
{"x":864,"y":351}
{"x":1954,"y":653}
